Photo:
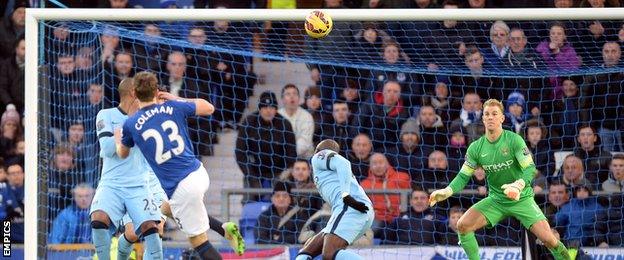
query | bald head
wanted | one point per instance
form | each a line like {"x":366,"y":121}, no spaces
{"x":126,"y":87}
{"x":328,"y":144}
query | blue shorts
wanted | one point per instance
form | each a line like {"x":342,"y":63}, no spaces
{"x":158,"y":194}
{"x":137,"y":202}
{"x":348,"y":223}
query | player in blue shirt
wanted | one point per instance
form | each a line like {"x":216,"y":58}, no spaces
{"x":352,"y":212}
{"x":123,"y":186}
{"x":160,"y":132}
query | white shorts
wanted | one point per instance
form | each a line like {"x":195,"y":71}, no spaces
{"x":187,"y":203}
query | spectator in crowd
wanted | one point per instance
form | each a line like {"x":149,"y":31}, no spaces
{"x":456,"y":150}
{"x":12,"y":78}
{"x":393,"y":57}
{"x":201,"y":129}
{"x":114,"y":4}
{"x":11,"y":27}
{"x":72,"y":225}
{"x":15,"y":178}
{"x":351,"y":95}
{"x":341,"y":129}
{"x":62,"y":175}
{"x":536,"y":135}
{"x":149,"y":53}
{"x":10,"y":130}
{"x":7,"y":200}
{"x":407,"y":229}
{"x":565,"y":114}
{"x":382,"y":175}
{"x":520,"y":55}
{"x":407,"y":155}
{"x":436,"y":175}
{"x":615,"y":183}
{"x":265,"y":145}
{"x":499,"y":47}
{"x":558,"y":54}
{"x":477,"y":182}
{"x":602,"y":101}
{"x":563,"y":3}
{"x":300,"y":120}
{"x":110,"y":45}
{"x":122,"y":68}
{"x":558,"y":195}
{"x":581,"y":219}
{"x":85,"y":66}
{"x":615,"y":214}
{"x":383,"y":117}
{"x":573,"y":173}
{"x":439,"y":100}
{"x":359,"y":156}
{"x":369,"y":40}
{"x":432,"y":130}
{"x":592,"y":35}
{"x":3,"y":173}
{"x":312,"y":104}
{"x":451,"y":235}
{"x":469,"y":116}
{"x":486,"y":87}
{"x":595,"y":159}
{"x":282,"y":222}
{"x":515,"y":116}
{"x":300,"y":177}
{"x":447,"y":44}
{"x":82,"y":150}
{"x":63,"y":86}
{"x":95,"y":97}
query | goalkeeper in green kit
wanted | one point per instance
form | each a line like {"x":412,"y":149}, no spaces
{"x":509,"y":169}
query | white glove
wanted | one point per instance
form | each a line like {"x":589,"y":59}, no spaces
{"x":440,"y":195}
{"x":513,"y":190}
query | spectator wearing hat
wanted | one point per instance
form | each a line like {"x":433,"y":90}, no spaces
{"x":265,"y":145}
{"x":300,"y":120}
{"x":407,"y":155}
{"x":12,"y":78}
{"x":282,"y":222}
{"x":515,"y":115}
{"x":11,"y":28}
{"x":10,"y":130}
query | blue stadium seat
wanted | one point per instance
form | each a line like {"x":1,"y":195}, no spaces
{"x":249,"y":219}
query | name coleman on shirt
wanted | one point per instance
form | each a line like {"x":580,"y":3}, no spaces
{"x":149,"y":113}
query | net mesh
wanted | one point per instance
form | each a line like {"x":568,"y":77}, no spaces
{"x":553,"y":78}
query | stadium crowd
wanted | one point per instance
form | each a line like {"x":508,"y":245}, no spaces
{"x":400,"y":130}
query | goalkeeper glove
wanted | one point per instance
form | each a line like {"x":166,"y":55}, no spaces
{"x":351,"y":202}
{"x":513,"y":190}
{"x":440,"y":195}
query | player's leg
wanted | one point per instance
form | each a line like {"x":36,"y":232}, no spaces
{"x":312,"y":248}
{"x":125,"y":241}
{"x":532,"y":218}
{"x":334,"y":247}
{"x":153,"y":242}
{"x":100,"y":233}
{"x":143,"y":210}
{"x":484,"y":212}
{"x":189,"y":212}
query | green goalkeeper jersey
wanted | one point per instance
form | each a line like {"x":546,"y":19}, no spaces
{"x":505,"y":160}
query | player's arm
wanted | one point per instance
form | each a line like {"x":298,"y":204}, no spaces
{"x":342,"y":167}
{"x":525,"y":160}
{"x":202,"y":107}
{"x":459,"y":182}
{"x":123,"y":142}
{"x":105,"y":135}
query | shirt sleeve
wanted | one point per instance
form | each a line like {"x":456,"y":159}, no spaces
{"x":126,"y":138}
{"x":104,"y":130}
{"x":525,"y":159}
{"x":342,"y":167}
{"x":187,"y":108}
{"x":466,"y":171}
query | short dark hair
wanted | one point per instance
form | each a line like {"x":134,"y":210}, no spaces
{"x":145,"y":86}
{"x":289,"y":86}
{"x":618,"y":156}
{"x":327,"y":144}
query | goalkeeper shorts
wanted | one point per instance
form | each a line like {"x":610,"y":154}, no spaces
{"x":526,"y":211}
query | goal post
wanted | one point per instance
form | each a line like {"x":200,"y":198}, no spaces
{"x":35,"y":52}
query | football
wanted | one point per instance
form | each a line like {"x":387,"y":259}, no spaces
{"x":318,"y":24}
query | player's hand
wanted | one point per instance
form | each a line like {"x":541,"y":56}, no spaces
{"x":351,"y":202}
{"x":166,"y":95}
{"x":513,"y":190}
{"x":440,"y":195}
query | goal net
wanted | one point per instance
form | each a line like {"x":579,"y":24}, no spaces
{"x":402,"y":94}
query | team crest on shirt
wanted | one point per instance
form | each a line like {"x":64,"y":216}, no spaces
{"x":505,"y":151}
{"x":100,"y":125}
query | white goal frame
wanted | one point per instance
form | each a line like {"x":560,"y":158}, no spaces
{"x":33,"y":16}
